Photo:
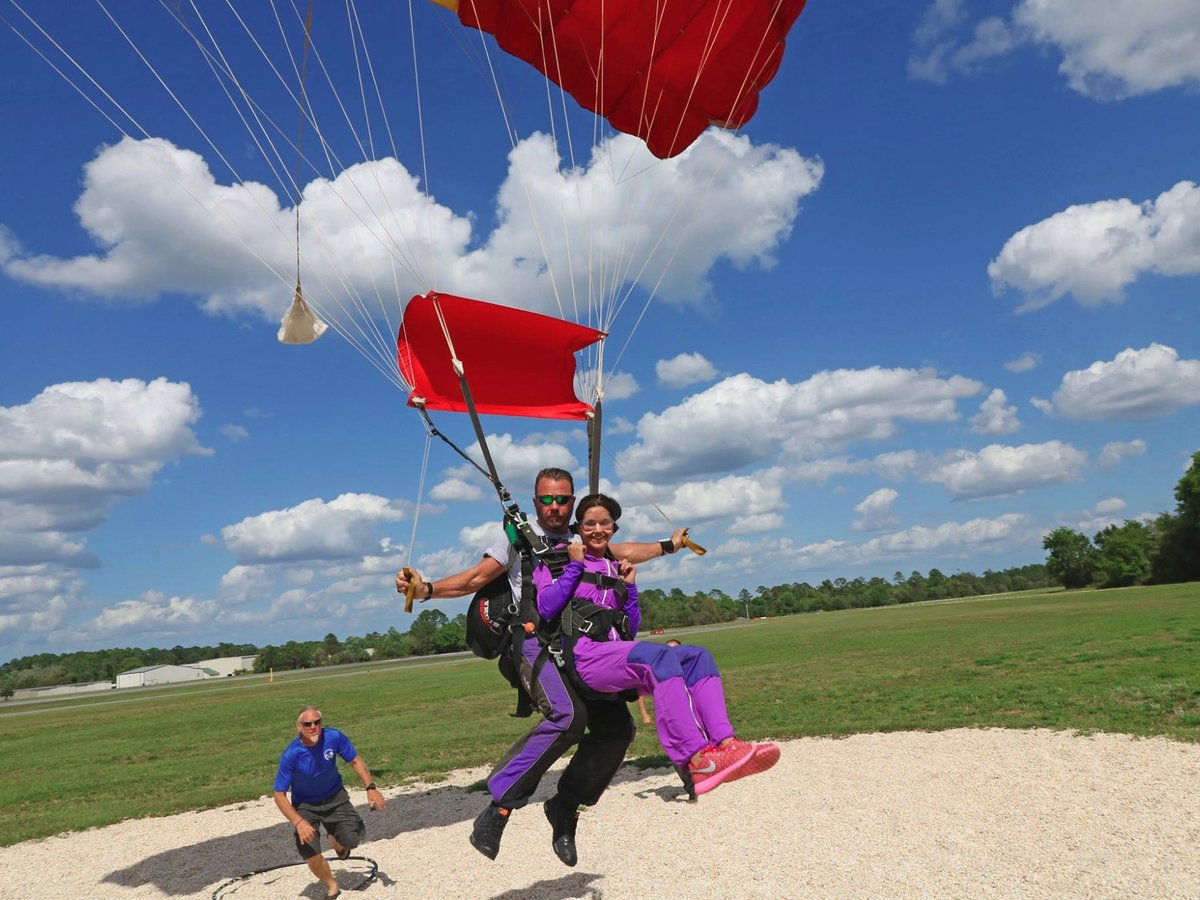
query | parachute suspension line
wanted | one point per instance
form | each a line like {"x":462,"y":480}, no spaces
{"x":132,"y":120}
{"x":573,"y":168}
{"x":653,"y":293}
{"x":299,"y":324}
{"x":595,"y":425}
{"x":412,"y":541}
{"x":432,"y":431}
{"x":408,"y":255}
{"x":412,"y":31}
{"x":626,"y":479}
{"x":223,"y":70}
{"x":493,"y":475}
{"x":382,"y":360}
{"x":358,"y":39}
{"x":371,"y":336}
{"x":537,"y":225}
{"x":406,"y":259}
{"x":714,"y":29}
{"x":66,"y":77}
{"x":358,"y":314}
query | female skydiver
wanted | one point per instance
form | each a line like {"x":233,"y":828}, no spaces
{"x":596,"y":597}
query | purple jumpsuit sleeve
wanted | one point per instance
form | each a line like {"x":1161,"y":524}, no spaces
{"x":553,"y":595}
{"x":633,"y":610}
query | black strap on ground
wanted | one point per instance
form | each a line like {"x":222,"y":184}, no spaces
{"x":368,"y":878}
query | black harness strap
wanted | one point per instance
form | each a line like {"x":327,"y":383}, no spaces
{"x":580,"y":617}
{"x":530,"y":544}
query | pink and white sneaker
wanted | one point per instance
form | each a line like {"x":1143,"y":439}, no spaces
{"x":763,"y":757}
{"x":720,"y":764}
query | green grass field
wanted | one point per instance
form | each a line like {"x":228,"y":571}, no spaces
{"x":1118,"y":661}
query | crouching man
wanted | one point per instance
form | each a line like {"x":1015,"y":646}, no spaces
{"x":308,"y":767}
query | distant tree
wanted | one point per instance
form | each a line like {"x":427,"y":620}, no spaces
{"x":918,"y":588}
{"x":1071,"y":557}
{"x":1123,"y":554}
{"x":452,"y":636}
{"x":1177,"y":557}
{"x":936,"y":585}
{"x":423,"y":628}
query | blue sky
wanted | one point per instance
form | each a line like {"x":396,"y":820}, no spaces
{"x":937,"y":298}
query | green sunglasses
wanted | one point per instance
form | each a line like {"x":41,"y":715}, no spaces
{"x":560,"y":499}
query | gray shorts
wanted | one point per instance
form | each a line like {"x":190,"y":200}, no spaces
{"x":340,"y":818}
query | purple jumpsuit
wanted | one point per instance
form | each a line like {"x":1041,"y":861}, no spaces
{"x":689,"y":700}
{"x":603,"y":729}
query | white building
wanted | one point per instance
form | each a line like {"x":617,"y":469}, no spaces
{"x":164,"y":674}
{"x":229,"y":665}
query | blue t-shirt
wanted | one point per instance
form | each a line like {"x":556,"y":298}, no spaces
{"x":312,"y":772}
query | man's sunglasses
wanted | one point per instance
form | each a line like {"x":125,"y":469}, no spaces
{"x":313,"y":724}
{"x":560,"y":499}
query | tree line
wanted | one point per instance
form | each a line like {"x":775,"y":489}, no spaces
{"x":84,"y":666}
{"x":1163,"y":551}
{"x":432,"y":631}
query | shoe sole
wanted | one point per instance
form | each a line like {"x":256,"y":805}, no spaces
{"x":486,"y":853}
{"x":730,"y":773}
{"x":765,"y":756}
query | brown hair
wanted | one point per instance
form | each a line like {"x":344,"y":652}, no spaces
{"x":594,"y":500}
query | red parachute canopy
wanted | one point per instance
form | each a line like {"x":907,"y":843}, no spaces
{"x":663,"y":71}
{"x":517,"y":363}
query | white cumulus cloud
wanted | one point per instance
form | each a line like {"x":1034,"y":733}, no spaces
{"x":1109,"y":51}
{"x":1135,"y":384}
{"x":995,"y":416}
{"x":684,"y":369}
{"x":875,"y":513}
{"x":76,"y":449}
{"x":163,"y":224}
{"x":153,"y":613}
{"x":999,"y":470}
{"x":1094,"y":251}
{"x":741,"y":420}
{"x":312,"y":530}
{"x":1113,"y":452}
{"x":1121,"y":48}
{"x":1024,"y":363}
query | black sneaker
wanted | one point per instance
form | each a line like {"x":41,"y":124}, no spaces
{"x":488,"y":829}
{"x":563,"y":822}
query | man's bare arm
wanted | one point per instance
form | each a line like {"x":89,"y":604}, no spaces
{"x":460,"y":584}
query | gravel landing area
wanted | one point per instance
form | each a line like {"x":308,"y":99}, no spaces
{"x":957,"y":814}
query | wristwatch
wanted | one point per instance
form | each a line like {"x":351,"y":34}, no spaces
{"x":429,"y":590}
{"x":371,"y":787}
